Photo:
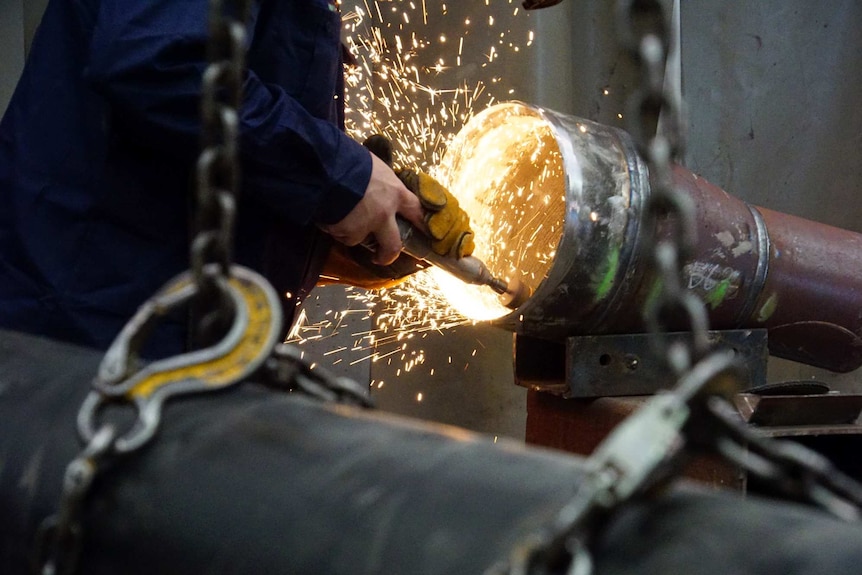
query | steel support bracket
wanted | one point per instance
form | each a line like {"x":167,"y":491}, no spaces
{"x":619,"y":365}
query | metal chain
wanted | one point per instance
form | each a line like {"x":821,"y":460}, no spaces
{"x":641,"y":451}
{"x":790,"y":468}
{"x":644,"y":30}
{"x":59,"y":538}
{"x":286,"y":370}
{"x":214,"y":286}
{"x":218,"y":173}
{"x":638,"y":452}
{"x":218,"y":164}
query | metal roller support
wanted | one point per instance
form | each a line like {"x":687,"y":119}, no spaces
{"x":252,"y":481}
{"x":753,"y":267}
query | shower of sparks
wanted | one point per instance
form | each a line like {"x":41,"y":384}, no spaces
{"x":402,"y":317}
{"x":506,"y":169}
{"x":396,"y":87}
{"x":409,"y":84}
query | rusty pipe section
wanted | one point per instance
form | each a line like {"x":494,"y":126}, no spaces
{"x":752,"y":267}
{"x":800,"y":279}
{"x":812,"y":296}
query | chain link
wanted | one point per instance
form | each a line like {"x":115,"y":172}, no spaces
{"x":58,"y":539}
{"x":647,"y":449}
{"x":218,"y":164}
{"x":218,"y":173}
{"x":286,"y":370}
{"x":790,"y":468}
{"x":644,"y":30}
{"x":624,"y":466}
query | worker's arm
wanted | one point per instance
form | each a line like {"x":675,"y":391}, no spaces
{"x":146,"y":59}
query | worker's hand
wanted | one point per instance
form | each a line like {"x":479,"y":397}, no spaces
{"x":374,"y":215}
{"x":448,"y":224}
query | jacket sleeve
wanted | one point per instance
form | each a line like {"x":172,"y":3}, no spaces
{"x":146,"y":60}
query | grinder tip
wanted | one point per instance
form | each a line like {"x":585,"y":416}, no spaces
{"x":516,"y":294}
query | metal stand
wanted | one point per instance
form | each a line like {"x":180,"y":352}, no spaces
{"x":620,"y":365}
{"x":583,"y":387}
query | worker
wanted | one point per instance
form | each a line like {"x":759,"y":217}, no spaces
{"x":98,"y":145}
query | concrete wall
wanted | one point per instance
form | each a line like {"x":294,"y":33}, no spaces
{"x":19,"y":20}
{"x":11,"y":47}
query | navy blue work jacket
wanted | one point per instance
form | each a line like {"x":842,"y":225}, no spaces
{"x":98,"y":144}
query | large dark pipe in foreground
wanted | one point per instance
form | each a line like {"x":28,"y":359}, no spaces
{"x":249,"y":481}
{"x":753,"y":267}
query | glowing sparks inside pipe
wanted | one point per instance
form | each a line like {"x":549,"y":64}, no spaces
{"x":506,"y":170}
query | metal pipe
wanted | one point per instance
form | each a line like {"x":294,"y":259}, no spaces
{"x":252,"y":481}
{"x":753,"y":267}
{"x":812,"y":296}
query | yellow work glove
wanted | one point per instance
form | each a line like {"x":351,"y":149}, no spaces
{"x":448,"y":224}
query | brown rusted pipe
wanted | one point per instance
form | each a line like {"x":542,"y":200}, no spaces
{"x":801,"y":280}
{"x":812,"y":298}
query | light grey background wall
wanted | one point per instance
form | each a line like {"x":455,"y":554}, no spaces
{"x":11,"y":47}
{"x":18,"y":22}
{"x":774,"y":92}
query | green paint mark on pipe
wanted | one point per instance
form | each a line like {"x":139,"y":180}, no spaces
{"x":607,"y":281}
{"x":768,"y":308}
{"x":653,"y":294}
{"x":717,"y":294}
